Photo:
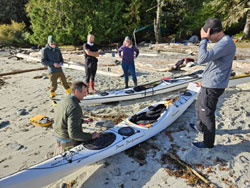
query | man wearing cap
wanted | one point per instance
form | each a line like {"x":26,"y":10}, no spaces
{"x":52,"y":58}
{"x":128,"y":53}
{"x":91,"y":54}
{"x":215,"y":78}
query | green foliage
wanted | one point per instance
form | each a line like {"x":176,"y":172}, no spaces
{"x":230,"y":12}
{"x":13,"y":10}
{"x":110,"y":21}
{"x":239,"y":35}
{"x":12,"y":34}
{"x":71,"y":20}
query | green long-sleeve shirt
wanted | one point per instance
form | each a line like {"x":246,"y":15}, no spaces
{"x":68,"y":120}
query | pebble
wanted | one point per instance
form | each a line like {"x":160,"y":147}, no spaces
{"x":15,"y":146}
{"x":4,"y":124}
{"x":20,"y":112}
{"x":116,"y":172}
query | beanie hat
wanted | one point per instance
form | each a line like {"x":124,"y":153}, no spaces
{"x":127,"y":38}
{"x":51,"y":39}
{"x":214,"y":24}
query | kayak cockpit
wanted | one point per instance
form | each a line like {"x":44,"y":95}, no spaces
{"x":147,"y":118}
{"x":105,"y":140}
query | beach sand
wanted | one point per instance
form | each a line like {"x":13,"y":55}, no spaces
{"x":23,"y":144}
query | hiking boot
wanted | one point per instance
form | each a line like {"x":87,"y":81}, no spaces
{"x":200,"y":145}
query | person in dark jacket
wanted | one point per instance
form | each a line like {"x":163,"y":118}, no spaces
{"x":91,"y":54}
{"x":215,"y":78}
{"x":130,"y":52}
{"x":69,"y":119}
{"x":52,"y":58}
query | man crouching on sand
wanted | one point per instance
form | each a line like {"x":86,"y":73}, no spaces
{"x":68,"y":120}
{"x":215,"y":78}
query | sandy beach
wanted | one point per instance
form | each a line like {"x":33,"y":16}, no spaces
{"x":23,"y":144}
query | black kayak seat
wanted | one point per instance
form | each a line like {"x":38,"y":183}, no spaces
{"x":149,"y":117}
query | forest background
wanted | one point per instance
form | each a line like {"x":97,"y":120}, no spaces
{"x":29,"y":22}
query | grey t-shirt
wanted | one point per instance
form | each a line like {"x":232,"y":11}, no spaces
{"x":219,"y":62}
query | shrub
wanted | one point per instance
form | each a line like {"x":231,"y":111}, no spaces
{"x":13,"y":34}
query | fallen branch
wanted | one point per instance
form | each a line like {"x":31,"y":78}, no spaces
{"x":22,"y":71}
{"x":190,"y":169}
{"x":18,"y":58}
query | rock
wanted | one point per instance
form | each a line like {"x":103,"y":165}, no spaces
{"x":15,"y":146}
{"x":45,"y":77}
{"x":105,"y":123}
{"x":4,"y":124}
{"x":116,"y":172}
{"x":63,"y":185}
{"x":20,"y":112}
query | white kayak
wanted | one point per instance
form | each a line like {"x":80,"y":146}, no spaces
{"x":158,"y":87}
{"x":150,"y":89}
{"x":130,"y":132}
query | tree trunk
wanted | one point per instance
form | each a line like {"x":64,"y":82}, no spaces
{"x":247,"y":26}
{"x":157,"y":22}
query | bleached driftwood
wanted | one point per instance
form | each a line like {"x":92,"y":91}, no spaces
{"x":22,"y":71}
{"x":70,"y":65}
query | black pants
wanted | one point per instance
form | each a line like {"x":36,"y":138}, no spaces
{"x":205,"y":112}
{"x":90,"y":69}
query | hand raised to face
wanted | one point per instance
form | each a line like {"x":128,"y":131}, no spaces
{"x":205,"y":34}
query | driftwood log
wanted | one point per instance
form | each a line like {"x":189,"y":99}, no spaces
{"x":70,"y":65}
{"x":22,"y":71}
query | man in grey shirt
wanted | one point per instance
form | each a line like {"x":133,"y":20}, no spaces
{"x":215,"y":78}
